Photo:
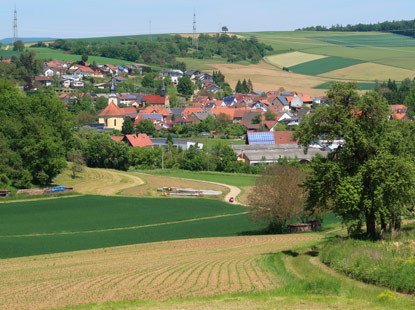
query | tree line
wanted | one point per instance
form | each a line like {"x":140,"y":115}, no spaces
{"x":403,"y":27}
{"x":164,"y":51}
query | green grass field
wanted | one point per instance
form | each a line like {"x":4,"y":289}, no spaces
{"x":8,"y":54}
{"x":382,"y":40}
{"x":361,"y":86}
{"x":46,"y":53}
{"x":236,"y":179}
{"x":324,"y":65}
{"x":89,"y":222}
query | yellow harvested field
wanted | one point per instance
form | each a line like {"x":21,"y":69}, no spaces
{"x":266,"y":77}
{"x":291,"y":59}
{"x":99,"y":181}
{"x":153,"y":271}
{"x":371,"y":72}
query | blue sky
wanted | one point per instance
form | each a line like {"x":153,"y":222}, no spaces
{"x":90,"y":18}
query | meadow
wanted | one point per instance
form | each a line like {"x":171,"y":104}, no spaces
{"x":324,"y":65}
{"x":47,"y":53}
{"x":89,"y":222}
{"x":235,"y":179}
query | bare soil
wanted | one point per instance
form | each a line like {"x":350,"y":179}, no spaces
{"x":155,"y":271}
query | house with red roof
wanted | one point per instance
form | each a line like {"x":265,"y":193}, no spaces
{"x":186,"y":112}
{"x":224,"y":112}
{"x":137,"y":140}
{"x":398,"y":111}
{"x":112,"y":117}
{"x":156,"y":100}
{"x":117,"y":138}
{"x":84,"y":71}
{"x":155,"y":110}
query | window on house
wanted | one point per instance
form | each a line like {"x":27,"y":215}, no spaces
{"x":106,"y":123}
{"x":115,"y":123}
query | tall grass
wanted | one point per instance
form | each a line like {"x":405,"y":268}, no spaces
{"x":386,"y":263}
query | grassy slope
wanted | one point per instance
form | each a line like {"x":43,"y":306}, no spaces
{"x":50,"y":53}
{"x":236,"y":179}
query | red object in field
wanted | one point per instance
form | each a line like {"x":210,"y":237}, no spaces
{"x":231,"y":199}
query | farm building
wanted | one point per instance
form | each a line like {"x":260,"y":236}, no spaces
{"x":271,"y":153}
{"x":184,"y":144}
{"x":274,"y":137}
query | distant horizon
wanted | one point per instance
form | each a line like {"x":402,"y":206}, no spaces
{"x":131,"y":17}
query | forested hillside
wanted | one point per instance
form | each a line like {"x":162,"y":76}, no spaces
{"x":165,"y":50}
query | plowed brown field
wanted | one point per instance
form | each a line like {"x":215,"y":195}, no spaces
{"x":158,"y":271}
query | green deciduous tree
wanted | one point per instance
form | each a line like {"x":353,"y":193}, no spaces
{"x":127,"y":126}
{"x":146,"y":126}
{"x":185,"y":86}
{"x":370,"y":177}
{"x":18,"y":46}
{"x":278,"y":197}
{"x":102,"y":152}
{"x":37,"y":131}
{"x":101,"y":103}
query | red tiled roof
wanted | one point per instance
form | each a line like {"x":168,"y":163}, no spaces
{"x":269,"y":124}
{"x":43,"y":78}
{"x":190,"y":110}
{"x":284,"y":137}
{"x":139,"y":140}
{"x":155,"y":110}
{"x":154,"y":99}
{"x":305,"y":98}
{"x":289,"y":98}
{"x":227,"y":111}
{"x":112,"y":110}
{"x":113,"y":68}
{"x":129,"y":110}
{"x":85,"y":69}
{"x":6,"y":60}
{"x":117,"y":138}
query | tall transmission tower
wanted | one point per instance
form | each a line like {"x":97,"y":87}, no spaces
{"x":194,"y":40}
{"x":149,"y":26}
{"x":15,"y":25}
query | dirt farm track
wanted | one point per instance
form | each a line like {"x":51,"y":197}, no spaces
{"x":157,"y":271}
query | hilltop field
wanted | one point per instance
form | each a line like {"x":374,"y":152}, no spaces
{"x":311,"y":60}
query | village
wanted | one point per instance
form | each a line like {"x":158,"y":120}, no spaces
{"x":266,"y":121}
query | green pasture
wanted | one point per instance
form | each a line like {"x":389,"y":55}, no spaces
{"x":361,"y":86}
{"x":324,"y":65}
{"x":382,"y":40}
{"x":8,"y":54}
{"x":90,"y":222}
{"x":235,"y":179}
{"x":211,"y":143}
{"x":46,"y":53}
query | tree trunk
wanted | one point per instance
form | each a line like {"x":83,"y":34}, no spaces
{"x":371,"y":225}
{"x":383,"y":228}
